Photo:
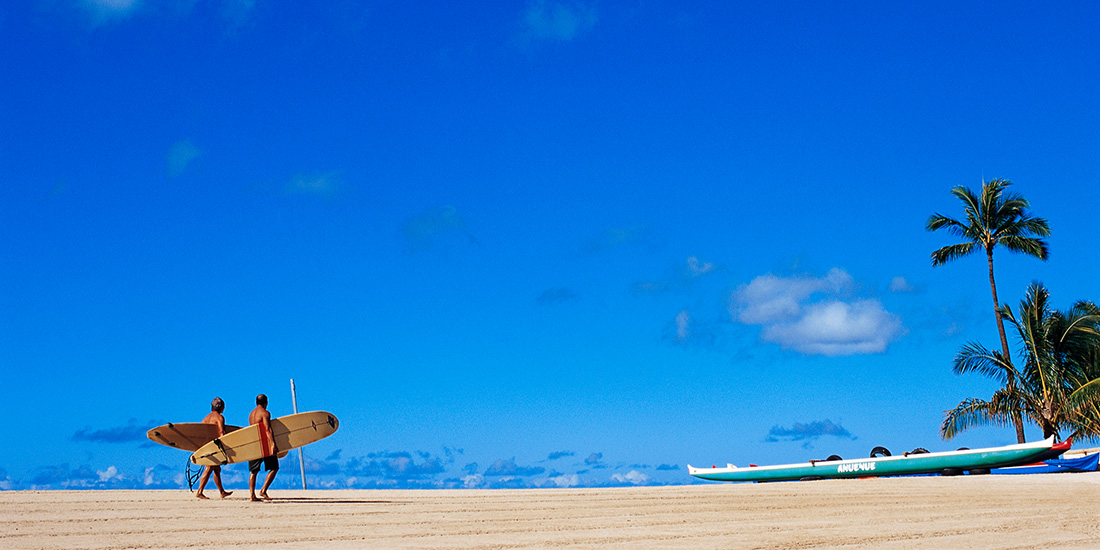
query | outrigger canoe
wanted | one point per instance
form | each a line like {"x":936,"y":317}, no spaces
{"x":948,"y":463}
{"x":1086,"y":463}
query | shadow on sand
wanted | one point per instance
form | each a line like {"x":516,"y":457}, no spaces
{"x":329,"y":500}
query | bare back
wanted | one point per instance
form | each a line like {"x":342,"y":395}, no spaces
{"x":258,"y":415}
{"x":216,"y":419}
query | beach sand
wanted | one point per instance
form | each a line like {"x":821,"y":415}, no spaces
{"x":988,"y":512}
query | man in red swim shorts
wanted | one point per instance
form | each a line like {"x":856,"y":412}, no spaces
{"x":259,"y":415}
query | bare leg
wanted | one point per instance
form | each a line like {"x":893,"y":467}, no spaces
{"x":218,"y":482}
{"x":252,"y":486}
{"x":206,"y":477}
{"x":267,"y":483}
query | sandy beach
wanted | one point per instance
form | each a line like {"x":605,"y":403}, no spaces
{"x":989,"y":512}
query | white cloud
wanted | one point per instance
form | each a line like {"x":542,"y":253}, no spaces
{"x":549,"y":20}
{"x":838,"y":328}
{"x":566,"y":480}
{"x":107,"y":475}
{"x":633,"y":477}
{"x":768,"y":299}
{"x":832,"y":325}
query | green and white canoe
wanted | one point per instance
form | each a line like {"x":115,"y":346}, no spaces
{"x":949,"y":462}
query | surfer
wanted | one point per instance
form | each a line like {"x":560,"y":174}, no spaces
{"x":217,"y":406}
{"x":259,"y":415}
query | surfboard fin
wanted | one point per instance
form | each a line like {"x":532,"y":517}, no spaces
{"x":218,"y":442}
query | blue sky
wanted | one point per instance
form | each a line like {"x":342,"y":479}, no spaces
{"x":519,"y":244}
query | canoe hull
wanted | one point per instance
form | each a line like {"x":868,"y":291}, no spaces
{"x":1087,"y":463}
{"x":907,"y":464}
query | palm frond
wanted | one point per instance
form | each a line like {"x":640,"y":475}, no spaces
{"x":992,"y":205}
{"x":972,"y":207}
{"x":1030,"y":225}
{"x":1085,"y":307}
{"x":1088,"y":395}
{"x":974,"y":357}
{"x":971,"y":412}
{"x":952,"y":252}
{"x":938,"y":221}
{"x":1087,"y":424}
{"x":1030,"y":246}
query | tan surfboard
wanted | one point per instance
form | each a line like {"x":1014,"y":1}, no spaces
{"x":252,"y":443}
{"x":186,"y":436}
{"x":189,"y":436}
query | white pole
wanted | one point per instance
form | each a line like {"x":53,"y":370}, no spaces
{"x":301,"y":455}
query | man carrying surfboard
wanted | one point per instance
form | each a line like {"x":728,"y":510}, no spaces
{"x":260,"y":416}
{"x":217,"y":406}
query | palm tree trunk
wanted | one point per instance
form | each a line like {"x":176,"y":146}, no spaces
{"x":1010,"y":380}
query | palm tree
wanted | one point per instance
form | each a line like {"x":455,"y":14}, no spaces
{"x":993,"y":218}
{"x":1057,"y":386}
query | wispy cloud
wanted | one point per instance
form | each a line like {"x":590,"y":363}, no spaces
{"x":901,"y":286}
{"x":686,"y":330}
{"x":237,"y":12}
{"x":620,"y":237}
{"x":557,"y":21}
{"x":508,"y":467}
{"x":64,"y":476}
{"x":378,"y":470}
{"x":433,"y":227}
{"x":330,"y":465}
{"x":564,"y":480}
{"x":320,"y":183}
{"x":234,"y":12}
{"x":684,"y":276}
{"x":163,"y":477}
{"x":807,"y":432}
{"x":559,"y":454}
{"x":103,"y":11}
{"x":683,"y":326}
{"x":815,"y":315}
{"x":399,"y":465}
{"x":61,"y":476}
{"x":133,"y":431}
{"x":554,"y":296}
{"x":180,"y":155}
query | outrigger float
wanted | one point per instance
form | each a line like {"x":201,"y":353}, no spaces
{"x":973,"y":461}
